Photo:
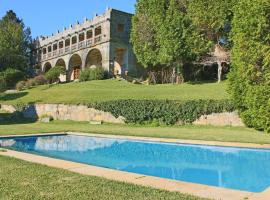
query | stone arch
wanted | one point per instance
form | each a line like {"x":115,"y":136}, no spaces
{"x":74,"y":67}
{"x":93,"y":59}
{"x":47,"y":66}
{"x":60,"y":62}
{"x":120,"y":61}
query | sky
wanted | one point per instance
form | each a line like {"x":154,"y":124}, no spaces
{"x":45,"y":17}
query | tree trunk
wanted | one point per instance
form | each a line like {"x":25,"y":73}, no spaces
{"x":173,"y":75}
{"x":219,"y":71}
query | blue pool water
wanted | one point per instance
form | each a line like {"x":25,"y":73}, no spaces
{"x":234,"y":168}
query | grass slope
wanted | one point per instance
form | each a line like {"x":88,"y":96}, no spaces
{"x":88,"y":92}
{"x":208,"y":133}
{"x":21,"y":180}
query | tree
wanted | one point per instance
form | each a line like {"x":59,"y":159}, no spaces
{"x":178,"y":39}
{"x":213,"y":20}
{"x":54,"y":73}
{"x":148,"y":17}
{"x":250,"y":76}
{"x":15,"y":43}
{"x":163,"y":36}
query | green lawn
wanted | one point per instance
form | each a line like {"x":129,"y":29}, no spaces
{"x":21,"y":180}
{"x":88,"y":92}
{"x":209,"y":133}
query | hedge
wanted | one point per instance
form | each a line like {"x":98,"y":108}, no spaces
{"x":11,"y":76}
{"x":163,"y":111}
{"x":92,"y":74}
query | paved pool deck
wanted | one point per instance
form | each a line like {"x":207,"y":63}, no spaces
{"x":149,"y":181}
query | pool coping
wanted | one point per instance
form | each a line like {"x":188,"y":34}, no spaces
{"x":199,"y":190}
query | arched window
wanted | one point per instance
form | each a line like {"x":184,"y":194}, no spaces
{"x":67,"y":42}
{"x":74,"y":40}
{"x":81,"y":37}
{"x":89,"y":34}
{"x":98,"y":31}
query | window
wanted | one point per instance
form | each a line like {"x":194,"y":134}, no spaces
{"x":44,"y":50}
{"x":50,"y":49}
{"x":55,"y":47}
{"x":98,"y":31}
{"x":61,"y":45}
{"x":67,"y":42}
{"x":120,"y":28}
{"x":81,"y":37}
{"x":89,"y":34}
{"x":74,"y":40}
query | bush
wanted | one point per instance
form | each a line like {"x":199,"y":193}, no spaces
{"x":165,"y":112}
{"x":53,"y":74}
{"x":20,"y":85}
{"x":30,"y":83}
{"x":40,"y":80}
{"x":3,"y":84}
{"x":12,"y":76}
{"x":92,"y":74}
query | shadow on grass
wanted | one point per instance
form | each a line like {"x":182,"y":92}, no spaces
{"x":12,"y":96}
{"x":201,"y":82}
{"x":13,"y":118}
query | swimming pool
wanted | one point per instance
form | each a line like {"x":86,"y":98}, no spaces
{"x":226,"y":167}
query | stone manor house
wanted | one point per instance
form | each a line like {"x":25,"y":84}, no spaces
{"x":100,"y":42}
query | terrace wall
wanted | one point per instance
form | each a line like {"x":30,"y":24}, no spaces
{"x":83,"y":113}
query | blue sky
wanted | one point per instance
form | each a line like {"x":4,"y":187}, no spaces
{"x":45,"y":17}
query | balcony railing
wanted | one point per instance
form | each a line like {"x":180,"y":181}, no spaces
{"x":61,"y":51}
{"x":89,"y":42}
{"x":74,"y":47}
{"x":98,"y":39}
{"x":81,"y":45}
{"x":67,"y":49}
{"x":54,"y":53}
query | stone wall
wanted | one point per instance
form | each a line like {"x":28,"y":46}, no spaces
{"x":66,"y":112}
{"x":220,"y":119}
{"x":83,"y":113}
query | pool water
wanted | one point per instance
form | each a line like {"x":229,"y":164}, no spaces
{"x":234,"y":168}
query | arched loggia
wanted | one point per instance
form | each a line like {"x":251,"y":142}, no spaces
{"x":74,"y":67}
{"x":47,"y":67}
{"x":93,"y":59}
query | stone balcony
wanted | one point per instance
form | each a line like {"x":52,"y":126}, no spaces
{"x":72,"y":48}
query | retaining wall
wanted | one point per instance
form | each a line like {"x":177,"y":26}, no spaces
{"x":83,"y":113}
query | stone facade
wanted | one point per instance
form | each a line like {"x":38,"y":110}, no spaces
{"x":100,"y":42}
{"x":220,"y":119}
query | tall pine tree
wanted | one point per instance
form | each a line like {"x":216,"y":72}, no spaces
{"x":15,"y":43}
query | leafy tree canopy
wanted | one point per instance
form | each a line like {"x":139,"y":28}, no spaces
{"x":15,"y":43}
{"x":163,"y":35}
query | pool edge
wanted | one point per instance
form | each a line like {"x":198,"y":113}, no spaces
{"x":138,"y":179}
{"x":152,"y":139}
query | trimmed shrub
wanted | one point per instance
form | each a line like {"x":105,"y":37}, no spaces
{"x":12,"y":76}
{"x":249,"y":80}
{"x":40,"y":80}
{"x":92,"y":74}
{"x":20,"y":85}
{"x":30,"y":83}
{"x":53,"y":74}
{"x":163,"y":112}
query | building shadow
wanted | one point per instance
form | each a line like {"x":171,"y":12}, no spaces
{"x":12,"y":96}
{"x":15,"y":118}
